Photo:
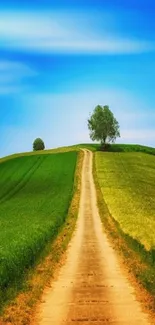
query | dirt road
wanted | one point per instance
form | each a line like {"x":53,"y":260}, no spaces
{"x":90,"y":289}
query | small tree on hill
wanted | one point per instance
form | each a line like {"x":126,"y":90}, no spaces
{"x":103,"y":125}
{"x":38,"y":144}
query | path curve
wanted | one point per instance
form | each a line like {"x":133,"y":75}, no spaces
{"x":90,"y":289}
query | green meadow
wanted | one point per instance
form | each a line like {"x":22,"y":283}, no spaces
{"x":35,"y":195}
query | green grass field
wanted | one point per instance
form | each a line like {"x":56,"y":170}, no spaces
{"x":127,"y":181}
{"x":35,"y":194}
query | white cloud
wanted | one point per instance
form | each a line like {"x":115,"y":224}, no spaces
{"x":15,"y":69}
{"x":11,"y":75}
{"x":63,"y":32}
{"x":29,"y":26}
{"x":8,"y":89}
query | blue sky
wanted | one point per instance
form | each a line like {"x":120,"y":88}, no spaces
{"x":59,"y":59}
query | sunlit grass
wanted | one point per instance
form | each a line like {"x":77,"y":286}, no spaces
{"x":127,"y":182}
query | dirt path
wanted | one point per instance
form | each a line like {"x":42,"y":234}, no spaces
{"x":90,"y":289}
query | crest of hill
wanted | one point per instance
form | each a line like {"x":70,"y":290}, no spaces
{"x":90,"y":146}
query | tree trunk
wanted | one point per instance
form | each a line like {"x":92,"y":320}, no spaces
{"x":103,"y":144}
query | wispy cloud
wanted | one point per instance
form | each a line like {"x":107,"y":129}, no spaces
{"x":15,"y":67}
{"x":12,"y":73}
{"x":63,"y":32}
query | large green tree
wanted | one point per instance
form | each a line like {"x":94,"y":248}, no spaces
{"x":103,"y":126}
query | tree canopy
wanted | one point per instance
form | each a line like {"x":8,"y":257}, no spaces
{"x":38,"y":144}
{"x":103,"y":126}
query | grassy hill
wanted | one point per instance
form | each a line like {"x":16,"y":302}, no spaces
{"x":90,"y":146}
{"x":35,"y":194}
{"x":36,"y":189}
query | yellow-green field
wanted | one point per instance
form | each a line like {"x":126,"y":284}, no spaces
{"x":127,"y":181}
